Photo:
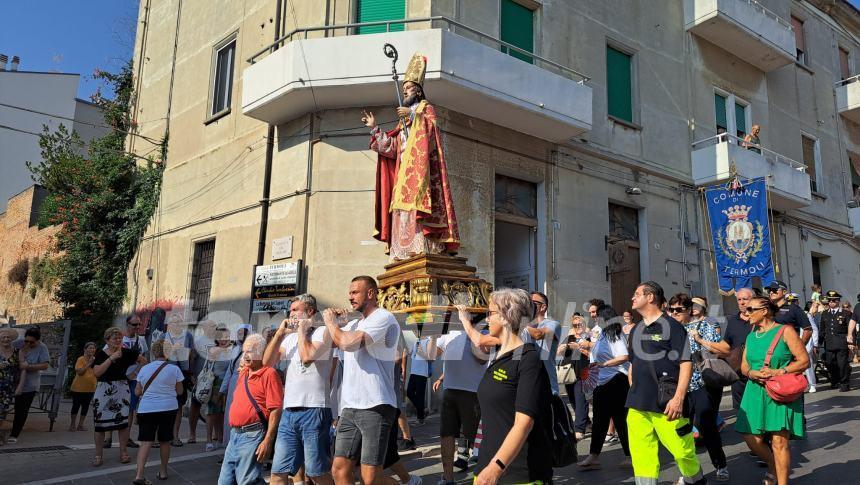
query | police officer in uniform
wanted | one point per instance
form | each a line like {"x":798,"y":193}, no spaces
{"x":789,"y":313}
{"x":836,"y":329}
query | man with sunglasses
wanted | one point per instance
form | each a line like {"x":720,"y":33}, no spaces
{"x":545,"y":333}
{"x":837,"y":326}
{"x":134,"y":340}
{"x":33,"y":355}
{"x":788,"y":313}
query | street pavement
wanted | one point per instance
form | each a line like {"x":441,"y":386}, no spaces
{"x":830,"y":452}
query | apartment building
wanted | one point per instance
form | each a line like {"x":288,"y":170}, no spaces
{"x":577,"y":136}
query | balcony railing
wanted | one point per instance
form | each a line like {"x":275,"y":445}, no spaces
{"x":847,"y":81}
{"x":353,"y":29}
{"x":767,"y":12}
{"x":769,"y":155}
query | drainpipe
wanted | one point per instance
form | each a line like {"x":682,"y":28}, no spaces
{"x":267,"y":173}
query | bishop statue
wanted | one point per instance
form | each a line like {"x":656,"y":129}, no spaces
{"x":414,"y":208}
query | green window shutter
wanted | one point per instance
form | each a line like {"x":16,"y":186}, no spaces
{"x":720,"y":111}
{"x":380,"y":10}
{"x":619,"y":84}
{"x":740,"y":120}
{"x":517,"y":29}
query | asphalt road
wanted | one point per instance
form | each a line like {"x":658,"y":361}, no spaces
{"x":829,"y":454}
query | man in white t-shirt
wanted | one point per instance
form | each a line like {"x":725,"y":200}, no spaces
{"x":303,"y":433}
{"x":368,"y":401}
{"x":462,"y":369}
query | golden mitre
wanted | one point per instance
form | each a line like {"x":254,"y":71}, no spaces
{"x":416,"y":70}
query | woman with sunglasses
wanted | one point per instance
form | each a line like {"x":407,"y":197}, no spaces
{"x":759,"y":415}
{"x":514,"y":396}
{"x":703,"y":334}
{"x":576,"y":349}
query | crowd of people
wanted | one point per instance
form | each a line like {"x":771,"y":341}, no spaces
{"x":321,"y":398}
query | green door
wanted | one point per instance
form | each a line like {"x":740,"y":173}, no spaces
{"x":378,"y":11}
{"x":517,"y":28}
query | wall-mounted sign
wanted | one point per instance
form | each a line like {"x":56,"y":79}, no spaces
{"x":276,"y":274}
{"x":274,"y":286}
{"x":282,"y":248}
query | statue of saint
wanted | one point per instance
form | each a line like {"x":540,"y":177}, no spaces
{"x":414,"y":207}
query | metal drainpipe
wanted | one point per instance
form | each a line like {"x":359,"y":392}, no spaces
{"x":267,"y":171}
{"x":308,"y":181}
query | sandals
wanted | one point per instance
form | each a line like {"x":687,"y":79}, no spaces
{"x":769,"y":479}
{"x":141,"y":481}
{"x":97,"y":461}
{"x":124,"y":458}
{"x":160,"y":476}
{"x":177,"y":443}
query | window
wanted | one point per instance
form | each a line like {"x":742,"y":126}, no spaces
{"x":800,"y":45}
{"x":619,"y":84}
{"x":722,"y":119}
{"x":380,"y":11}
{"x":812,"y":160}
{"x":731,"y":114}
{"x":517,"y":28}
{"x":844,"y":65}
{"x":222,"y":83}
{"x":854,"y":162}
{"x":516,"y":241}
{"x":201,"y":277}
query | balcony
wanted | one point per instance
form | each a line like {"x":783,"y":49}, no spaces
{"x":787,"y":179}
{"x":469,"y":75}
{"x":744,"y":28}
{"x":848,"y":98}
{"x":854,"y":220}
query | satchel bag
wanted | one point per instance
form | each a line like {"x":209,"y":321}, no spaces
{"x":563,"y":435}
{"x":715,"y":372}
{"x":151,"y":379}
{"x":784,"y":388}
{"x":205,"y":381}
{"x":667,"y":386}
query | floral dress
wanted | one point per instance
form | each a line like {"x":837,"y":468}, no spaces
{"x":709,"y":331}
{"x":9,"y":374}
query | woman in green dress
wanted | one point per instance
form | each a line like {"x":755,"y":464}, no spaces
{"x":759,"y":415}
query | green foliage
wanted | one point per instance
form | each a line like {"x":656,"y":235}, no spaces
{"x":44,"y":273}
{"x":104,"y":199}
{"x":19,"y":272}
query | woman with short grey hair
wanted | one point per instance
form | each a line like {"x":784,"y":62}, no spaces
{"x":514,"y":395}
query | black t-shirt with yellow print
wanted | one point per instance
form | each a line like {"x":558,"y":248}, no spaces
{"x":664,"y":344}
{"x":517,"y":382}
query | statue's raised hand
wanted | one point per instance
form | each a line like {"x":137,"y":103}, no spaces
{"x":368,"y":119}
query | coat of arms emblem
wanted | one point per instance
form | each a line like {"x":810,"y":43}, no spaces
{"x":740,"y":239}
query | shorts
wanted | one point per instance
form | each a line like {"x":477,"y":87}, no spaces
{"x":132,"y":385}
{"x":391,"y":454}
{"x":156,"y":424}
{"x":303,"y":441}
{"x":363,"y":434}
{"x":460,"y":413}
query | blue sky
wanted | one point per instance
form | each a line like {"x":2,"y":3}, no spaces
{"x":74,"y":36}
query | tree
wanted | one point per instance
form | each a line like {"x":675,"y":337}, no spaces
{"x":104,"y":198}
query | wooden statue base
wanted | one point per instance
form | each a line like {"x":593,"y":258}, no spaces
{"x":421,"y":292}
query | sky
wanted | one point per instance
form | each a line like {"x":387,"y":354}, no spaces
{"x":70,"y":36}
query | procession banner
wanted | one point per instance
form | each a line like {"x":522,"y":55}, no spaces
{"x":738,"y":215}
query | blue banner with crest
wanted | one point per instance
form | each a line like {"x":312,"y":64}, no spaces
{"x":738,"y":214}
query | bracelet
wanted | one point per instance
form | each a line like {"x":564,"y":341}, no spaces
{"x":501,"y":465}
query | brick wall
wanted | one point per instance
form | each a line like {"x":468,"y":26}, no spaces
{"x":21,"y":238}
